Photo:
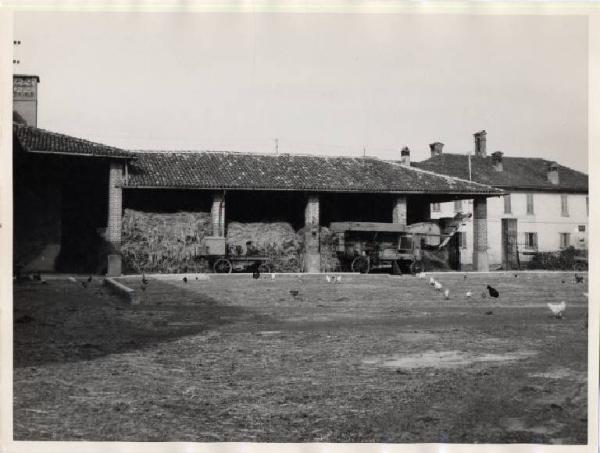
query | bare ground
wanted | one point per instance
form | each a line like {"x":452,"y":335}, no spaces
{"x":372,"y":359}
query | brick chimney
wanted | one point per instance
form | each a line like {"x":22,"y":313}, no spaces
{"x":25,"y":98}
{"x":553,"y":173}
{"x":405,"y":156}
{"x":436,"y":149}
{"x":480,"y":139}
{"x":497,"y":160}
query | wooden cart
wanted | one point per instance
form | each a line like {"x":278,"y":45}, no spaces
{"x":224,"y":261}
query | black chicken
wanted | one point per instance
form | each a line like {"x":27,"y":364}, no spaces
{"x":184,"y":279}
{"x":493,"y":292}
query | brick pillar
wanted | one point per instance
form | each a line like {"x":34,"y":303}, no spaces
{"x":399,"y":211}
{"x":217,"y":214}
{"x":312,"y":256}
{"x":115,"y":218}
{"x":480,"y":257}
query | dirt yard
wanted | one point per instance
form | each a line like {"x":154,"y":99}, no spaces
{"x":371,"y":359}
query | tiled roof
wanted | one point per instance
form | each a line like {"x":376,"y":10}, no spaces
{"x":524,"y":173}
{"x":229,"y":170}
{"x":35,"y":140}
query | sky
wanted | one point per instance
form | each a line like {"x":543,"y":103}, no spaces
{"x":329,"y":84}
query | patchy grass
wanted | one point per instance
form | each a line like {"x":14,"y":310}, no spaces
{"x":372,"y":359}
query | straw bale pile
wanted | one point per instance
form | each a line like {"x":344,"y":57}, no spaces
{"x":277,"y":240}
{"x":164,"y":242}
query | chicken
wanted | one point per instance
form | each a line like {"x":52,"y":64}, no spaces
{"x":578,"y":278}
{"x":421,"y":275}
{"x":469,"y":293}
{"x":493,"y":292}
{"x":272,"y":276}
{"x":184,"y":279}
{"x":431,"y":281}
{"x":437,"y":286}
{"x":557,"y":309}
{"x":73,"y":279}
{"x":447,"y":294}
{"x":84,"y":284}
{"x":89,"y":280}
{"x":294,"y":292}
{"x":516,"y":275}
{"x":328,"y":278}
{"x":255,"y":274}
{"x":338,"y":279}
{"x":465,"y":276}
{"x":144,"y":279}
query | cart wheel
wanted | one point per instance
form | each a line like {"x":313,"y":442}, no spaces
{"x":360,"y":264}
{"x":416,"y":267}
{"x":580,"y":267}
{"x":222,"y":266}
{"x":264,"y":268}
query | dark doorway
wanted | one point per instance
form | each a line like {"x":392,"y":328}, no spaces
{"x":84,"y":214}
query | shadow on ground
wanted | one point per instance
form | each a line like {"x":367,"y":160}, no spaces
{"x":62,"y":321}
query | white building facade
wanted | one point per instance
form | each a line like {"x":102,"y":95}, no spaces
{"x":545,"y":222}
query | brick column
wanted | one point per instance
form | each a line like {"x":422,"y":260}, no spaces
{"x":217,"y":213}
{"x":480,"y":257}
{"x":312,"y":256}
{"x":399,"y":211}
{"x":115,"y":218}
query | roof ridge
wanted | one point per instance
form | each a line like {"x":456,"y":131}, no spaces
{"x":250,"y":153}
{"x":439,"y":174}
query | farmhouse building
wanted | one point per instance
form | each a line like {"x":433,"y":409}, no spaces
{"x":545,"y":207}
{"x":81,"y":206}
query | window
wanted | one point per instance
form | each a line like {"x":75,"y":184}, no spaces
{"x":565,"y":240}
{"x":564,"y":206}
{"x":531,"y":241}
{"x":458,"y":206}
{"x":462,"y":239}
{"x":435,"y":207}
{"x":530,"y":203}
{"x":507,"y":206}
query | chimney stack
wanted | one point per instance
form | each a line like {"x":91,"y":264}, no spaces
{"x":405,"y":156}
{"x":480,"y":139}
{"x":553,"y":173}
{"x":436,"y":149}
{"x":25,"y":98}
{"x":497,"y":160}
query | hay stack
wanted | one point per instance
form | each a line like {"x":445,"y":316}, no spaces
{"x":164,"y":242}
{"x":277,"y":240}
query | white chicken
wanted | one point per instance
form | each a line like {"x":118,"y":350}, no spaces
{"x":438,"y":286}
{"x":338,"y":279}
{"x":421,"y":275}
{"x":447,"y":294}
{"x":328,"y":278}
{"x":557,"y":309}
{"x":469,"y":293}
{"x":272,"y":276}
{"x":431,"y":281}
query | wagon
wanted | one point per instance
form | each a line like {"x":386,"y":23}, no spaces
{"x":580,"y":263}
{"x":224,"y":260}
{"x":364,"y":246}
